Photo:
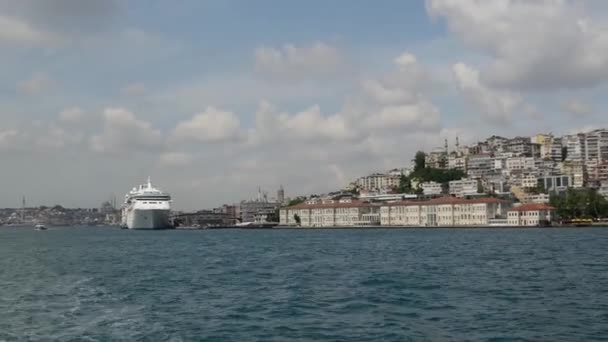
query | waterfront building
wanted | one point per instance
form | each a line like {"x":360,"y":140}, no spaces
{"x":346,"y":212}
{"x":464,"y":187}
{"x":531,"y":215}
{"x":444,"y":212}
{"x":257,"y":208}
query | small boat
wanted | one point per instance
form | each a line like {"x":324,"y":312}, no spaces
{"x":40,"y":227}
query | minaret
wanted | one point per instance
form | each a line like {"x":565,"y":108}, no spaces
{"x":281,"y":195}
{"x":457,"y":145}
{"x":23,"y":209}
{"x":446,"y":146}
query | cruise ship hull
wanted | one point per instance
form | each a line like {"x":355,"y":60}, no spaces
{"x":149,"y":219}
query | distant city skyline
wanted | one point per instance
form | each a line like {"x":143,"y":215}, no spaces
{"x":215,"y":98}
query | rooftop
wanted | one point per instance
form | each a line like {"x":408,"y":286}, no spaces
{"x":532,"y":207}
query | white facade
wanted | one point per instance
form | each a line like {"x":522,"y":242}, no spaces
{"x":531,"y":215}
{"x":431,"y":188}
{"x":529,"y":181}
{"x":443,"y":212}
{"x":464,"y":187}
{"x":378,"y":181}
{"x":520,"y":163}
{"x":341,"y":213}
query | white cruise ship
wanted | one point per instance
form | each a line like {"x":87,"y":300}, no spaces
{"x":146,"y":207}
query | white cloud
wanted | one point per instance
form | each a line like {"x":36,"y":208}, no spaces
{"x":576,"y":108}
{"x":124,"y":133}
{"x":175,"y":159}
{"x":15,"y":31}
{"x":37,"y":84}
{"x":8,"y":138}
{"x":422,"y":116}
{"x":133,"y":89}
{"x":496,"y":106}
{"x":405,"y":85}
{"x":71,"y":115}
{"x":307,"y":125}
{"x":293,"y":64}
{"x":532,"y":44}
{"x":212,"y":125}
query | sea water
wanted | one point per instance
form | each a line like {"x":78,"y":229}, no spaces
{"x":106,"y":284}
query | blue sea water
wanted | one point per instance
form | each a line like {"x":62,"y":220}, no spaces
{"x":106,"y":284}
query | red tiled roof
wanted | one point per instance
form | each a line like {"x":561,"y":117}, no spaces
{"x":336,"y":204}
{"x":435,"y":201}
{"x":532,"y":207}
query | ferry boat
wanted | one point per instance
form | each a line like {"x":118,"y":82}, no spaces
{"x":146,"y":207}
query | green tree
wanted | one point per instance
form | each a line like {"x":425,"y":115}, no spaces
{"x":583,"y":203}
{"x":296,"y":217}
{"x":296,"y":201}
{"x":419,"y":161}
{"x":405,"y":185}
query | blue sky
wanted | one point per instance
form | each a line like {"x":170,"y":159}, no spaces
{"x":213,"y":98}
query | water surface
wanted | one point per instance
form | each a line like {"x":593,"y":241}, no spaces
{"x":101,"y":284}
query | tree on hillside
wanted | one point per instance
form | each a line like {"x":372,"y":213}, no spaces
{"x":405,"y":185}
{"x":419,"y":161}
{"x":296,"y":201}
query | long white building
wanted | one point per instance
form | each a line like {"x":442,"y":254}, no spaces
{"x":438,"y":212}
{"x":344,"y":212}
{"x":444,"y":212}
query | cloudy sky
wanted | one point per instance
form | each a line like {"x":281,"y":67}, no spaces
{"x":215,"y":97}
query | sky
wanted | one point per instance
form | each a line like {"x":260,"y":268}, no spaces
{"x":215,"y":98}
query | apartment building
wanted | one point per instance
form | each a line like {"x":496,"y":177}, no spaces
{"x":457,"y":162}
{"x":378,"y":181}
{"x":555,"y":183}
{"x":575,"y":147}
{"x":464,"y":187}
{"x":596,"y":146}
{"x":480,"y":165}
{"x":444,"y":212}
{"x":431,"y":188}
{"x":577,"y":170}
